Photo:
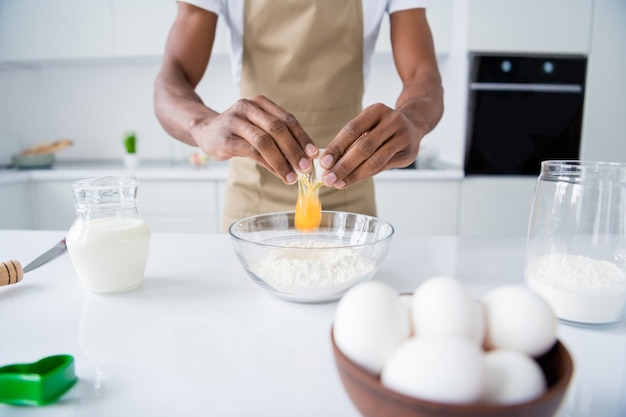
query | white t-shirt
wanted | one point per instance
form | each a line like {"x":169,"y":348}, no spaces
{"x":373,"y":12}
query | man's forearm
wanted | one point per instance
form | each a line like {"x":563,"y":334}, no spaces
{"x":178,"y":108}
{"x":422,"y":101}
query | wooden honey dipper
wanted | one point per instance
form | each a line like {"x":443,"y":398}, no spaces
{"x":11,"y":272}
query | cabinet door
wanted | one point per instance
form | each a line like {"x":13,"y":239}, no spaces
{"x":439,"y":14}
{"x":140,"y":27}
{"x":16,"y":210}
{"x":54,"y":205}
{"x":604,"y":124}
{"x":175,"y":206}
{"x":166,"y":206}
{"x":59,"y":29}
{"x":221,"y":198}
{"x":419,"y":207}
{"x":496,"y":206}
{"x":539,"y":26}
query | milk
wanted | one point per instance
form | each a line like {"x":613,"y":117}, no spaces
{"x":109,"y":254}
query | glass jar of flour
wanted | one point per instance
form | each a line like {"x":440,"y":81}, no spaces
{"x":576,"y":249}
{"x":108,"y":242}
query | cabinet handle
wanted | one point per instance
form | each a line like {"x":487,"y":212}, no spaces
{"x":546,"y":88}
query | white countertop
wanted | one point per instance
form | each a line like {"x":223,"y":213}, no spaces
{"x":199,"y":338}
{"x":164,"y":170}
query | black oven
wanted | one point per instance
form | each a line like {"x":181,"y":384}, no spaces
{"x":523,"y":110}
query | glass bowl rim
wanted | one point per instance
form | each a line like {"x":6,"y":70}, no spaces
{"x":382,"y":239}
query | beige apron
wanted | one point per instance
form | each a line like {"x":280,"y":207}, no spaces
{"x":306,"y":56}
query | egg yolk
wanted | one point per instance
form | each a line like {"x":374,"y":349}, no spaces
{"x":308,"y":205}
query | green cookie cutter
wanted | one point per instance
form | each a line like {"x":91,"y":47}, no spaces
{"x":38,"y":383}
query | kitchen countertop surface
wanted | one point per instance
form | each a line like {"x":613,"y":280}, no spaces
{"x":199,"y":338}
{"x":157,"y":170}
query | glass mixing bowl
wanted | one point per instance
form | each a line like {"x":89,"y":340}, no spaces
{"x":311,"y":267}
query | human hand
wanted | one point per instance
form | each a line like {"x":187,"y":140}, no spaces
{"x":258,"y":128}
{"x":378,"y":139}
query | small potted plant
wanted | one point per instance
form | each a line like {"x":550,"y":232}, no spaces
{"x":131,"y":159}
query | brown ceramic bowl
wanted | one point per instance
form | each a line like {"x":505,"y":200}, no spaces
{"x":371,"y":398}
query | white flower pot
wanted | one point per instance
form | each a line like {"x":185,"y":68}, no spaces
{"x":131,"y":160}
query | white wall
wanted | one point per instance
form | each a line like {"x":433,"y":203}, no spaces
{"x":95,"y":102}
{"x":604,"y":119}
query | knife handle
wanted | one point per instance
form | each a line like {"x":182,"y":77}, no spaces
{"x":11,"y":272}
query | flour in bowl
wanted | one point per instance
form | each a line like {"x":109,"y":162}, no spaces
{"x":323,"y":267}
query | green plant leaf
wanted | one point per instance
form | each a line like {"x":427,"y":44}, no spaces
{"x":130,"y":142}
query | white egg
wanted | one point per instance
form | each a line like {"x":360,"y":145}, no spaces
{"x":519,"y":319}
{"x":443,"y":369}
{"x":370,"y":322}
{"x":512,"y":377}
{"x":444,"y":306}
{"x":407,"y":300}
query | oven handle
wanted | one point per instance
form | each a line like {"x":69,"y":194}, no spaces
{"x":547,"y":88}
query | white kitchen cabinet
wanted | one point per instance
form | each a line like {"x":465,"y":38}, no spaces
{"x":176,"y":206}
{"x":221,"y":193}
{"x":140,"y":27}
{"x":3,"y":40}
{"x":470,"y":206}
{"x":604,"y":124}
{"x":439,"y":14}
{"x":495,"y":206}
{"x":16,"y":209}
{"x":532,"y":26}
{"x":35,"y":30}
{"x":419,"y":207}
{"x":413,"y":207}
{"x":166,"y":206}
{"x":53,"y":205}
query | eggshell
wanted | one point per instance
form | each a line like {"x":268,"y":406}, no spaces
{"x":519,"y":319}
{"x":319,"y":171}
{"x":370,"y":322}
{"x":444,"y":306}
{"x":444,"y":369}
{"x":512,"y":377}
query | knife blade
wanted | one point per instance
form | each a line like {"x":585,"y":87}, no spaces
{"x":11,"y":272}
{"x":47,"y":256}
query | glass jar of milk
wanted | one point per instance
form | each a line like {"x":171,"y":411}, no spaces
{"x":576,"y":250}
{"x":108,"y":242}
